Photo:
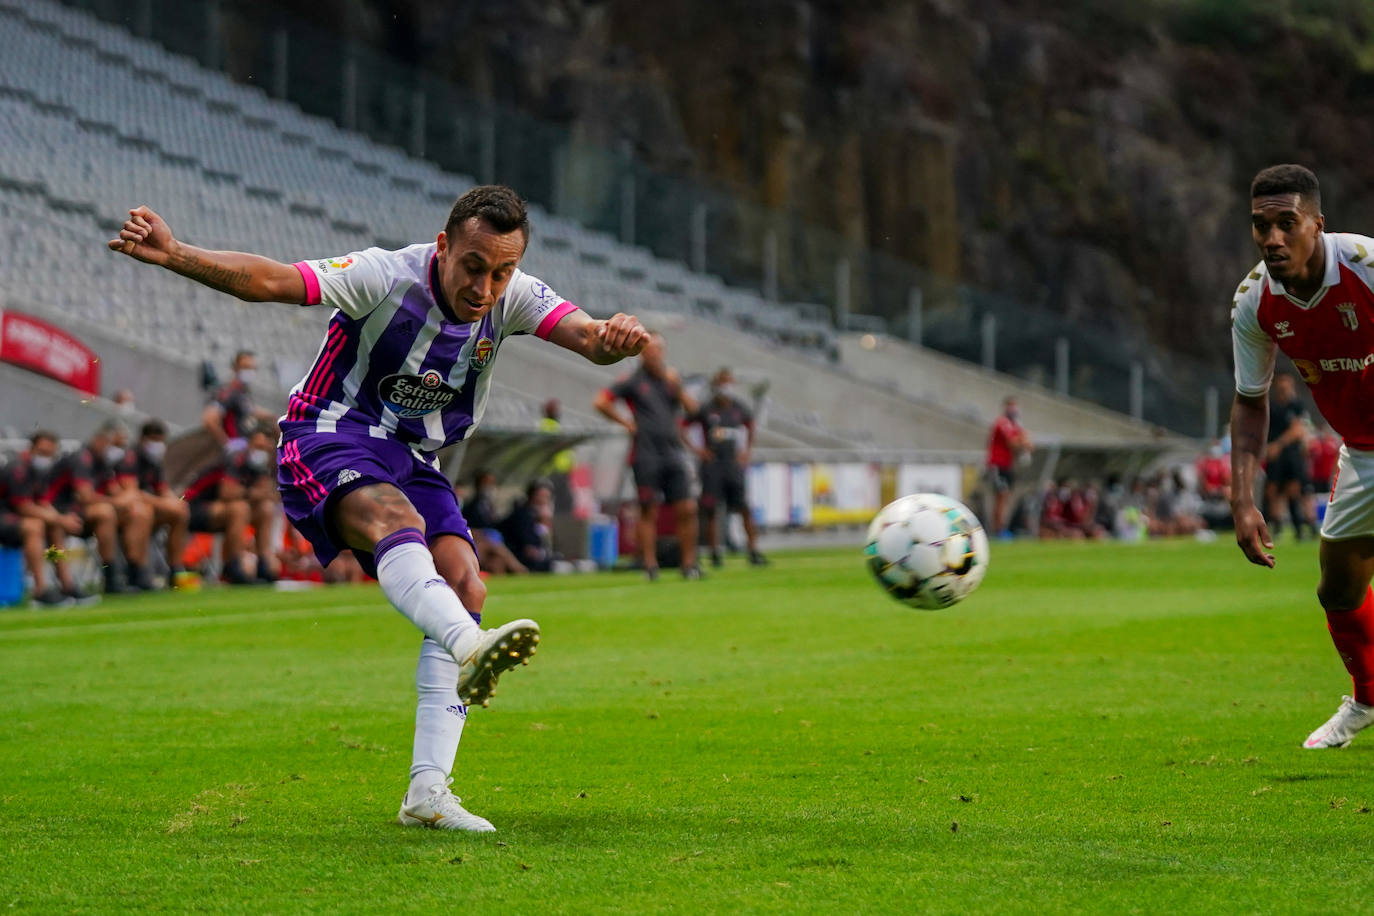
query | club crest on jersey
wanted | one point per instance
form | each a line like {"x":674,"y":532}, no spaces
{"x":1348,"y":316}
{"x":482,"y":352}
{"x":1281,"y":327}
{"x":411,"y":396}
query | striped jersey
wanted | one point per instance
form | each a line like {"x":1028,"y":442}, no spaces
{"x":396,"y":363}
{"x":1329,"y":338}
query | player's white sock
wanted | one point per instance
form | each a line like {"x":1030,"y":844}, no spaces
{"x":405,"y":570}
{"x":439,"y":720}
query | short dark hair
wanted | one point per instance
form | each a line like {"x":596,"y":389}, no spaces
{"x":238,"y":357}
{"x":499,"y":206}
{"x":152,"y":428}
{"x":1288,"y":179}
{"x":40,"y":435}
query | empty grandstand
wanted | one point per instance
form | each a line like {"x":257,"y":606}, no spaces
{"x":97,"y":120}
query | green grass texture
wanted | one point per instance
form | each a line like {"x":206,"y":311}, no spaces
{"x":1101,"y":728}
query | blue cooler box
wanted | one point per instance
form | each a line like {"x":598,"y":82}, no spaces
{"x":603,"y":541}
{"x":11,"y":576}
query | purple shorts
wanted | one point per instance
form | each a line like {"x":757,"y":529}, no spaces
{"x":316,"y":470}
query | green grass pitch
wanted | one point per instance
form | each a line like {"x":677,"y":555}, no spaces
{"x":1104,"y":728}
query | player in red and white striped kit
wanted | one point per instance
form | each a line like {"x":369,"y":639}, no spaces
{"x":1312,"y":296}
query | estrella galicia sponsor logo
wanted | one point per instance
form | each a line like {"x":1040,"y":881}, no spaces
{"x":482,"y":352}
{"x":411,"y":396}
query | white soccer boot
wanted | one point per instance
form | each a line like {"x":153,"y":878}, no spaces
{"x":1351,"y":718}
{"x":441,"y":810}
{"x":493,"y":653}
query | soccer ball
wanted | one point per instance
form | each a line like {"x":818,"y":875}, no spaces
{"x":927,"y":550}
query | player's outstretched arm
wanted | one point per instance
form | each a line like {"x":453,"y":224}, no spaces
{"x":146,"y":237}
{"x":1249,"y":424}
{"x":602,"y":342}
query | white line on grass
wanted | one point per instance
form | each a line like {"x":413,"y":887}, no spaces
{"x":342,"y":610}
{"x":176,"y":623}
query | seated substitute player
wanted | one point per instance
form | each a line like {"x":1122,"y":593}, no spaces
{"x":404,"y":370}
{"x":726,"y":424}
{"x":54,"y":496}
{"x":256,"y":469}
{"x":26,"y":534}
{"x":80,"y":485}
{"x":219,"y":504}
{"x":101,"y":456}
{"x":655,"y":395}
{"x":231,"y":416}
{"x":140,"y":471}
{"x":1312,"y":296}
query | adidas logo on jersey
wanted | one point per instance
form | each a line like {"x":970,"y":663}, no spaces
{"x":348,"y":475}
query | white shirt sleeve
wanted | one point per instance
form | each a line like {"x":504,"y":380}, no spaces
{"x":353,"y":283}
{"x":1357,"y":253}
{"x":1254,"y":350}
{"x":531,"y":307}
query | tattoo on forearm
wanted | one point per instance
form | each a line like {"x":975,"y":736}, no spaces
{"x":225,"y":279}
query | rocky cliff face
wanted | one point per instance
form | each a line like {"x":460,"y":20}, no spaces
{"x":1088,"y":156}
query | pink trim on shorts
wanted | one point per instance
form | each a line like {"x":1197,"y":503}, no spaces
{"x":552,"y":318}
{"x":312,"y":282}
{"x":305,"y":477}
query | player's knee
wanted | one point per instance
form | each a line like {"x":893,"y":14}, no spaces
{"x":471,"y":590}
{"x":1340,"y":594}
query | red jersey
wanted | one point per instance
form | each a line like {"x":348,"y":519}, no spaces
{"x":1213,"y":474}
{"x":1006,"y":432}
{"x":1329,"y":338}
{"x":1322,"y":454}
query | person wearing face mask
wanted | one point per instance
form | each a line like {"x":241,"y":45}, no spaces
{"x":1007,"y":442}
{"x":255,"y":468}
{"x":135,"y":516}
{"x":140,"y":472}
{"x":231,"y":416}
{"x":43,"y":478}
{"x":727,"y":436}
{"x":218,"y":502}
{"x":83,"y":483}
{"x":26,"y":533}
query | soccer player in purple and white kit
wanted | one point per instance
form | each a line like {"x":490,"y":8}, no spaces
{"x":404,"y":370}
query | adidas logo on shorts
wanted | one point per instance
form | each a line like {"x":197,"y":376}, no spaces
{"x":348,"y":475}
